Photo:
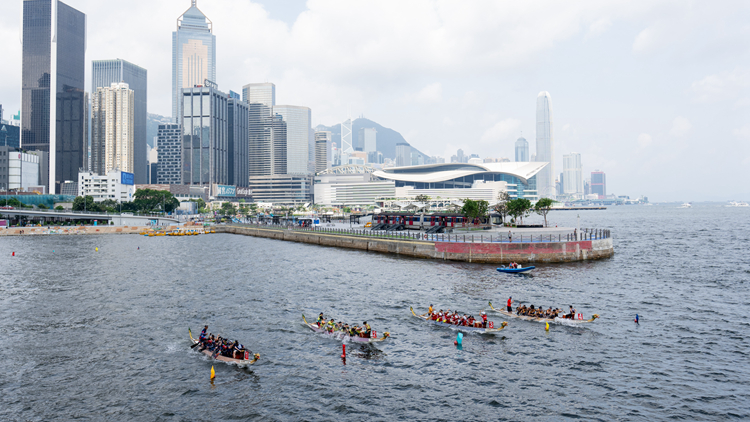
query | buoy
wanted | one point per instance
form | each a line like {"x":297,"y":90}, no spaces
{"x":546,"y":326}
{"x":13,"y":254}
{"x":343,"y":350}
{"x":213,"y":374}
{"x":459,"y":339}
{"x":636,"y":319}
{"x":97,"y":249}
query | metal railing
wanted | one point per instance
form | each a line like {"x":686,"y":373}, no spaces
{"x":584,"y":235}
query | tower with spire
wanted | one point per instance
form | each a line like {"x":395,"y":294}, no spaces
{"x":193,"y":54}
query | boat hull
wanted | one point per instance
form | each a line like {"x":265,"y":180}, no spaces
{"x":460,"y":327}
{"x":557,"y":320}
{"x":239,"y":362}
{"x":343,"y":337}
{"x":515,"y":270}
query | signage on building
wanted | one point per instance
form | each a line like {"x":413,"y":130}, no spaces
{"x":244,"y":192}
{"x":126,"y":178}
{"x":211,"y":84}
{"x":225,"y":190}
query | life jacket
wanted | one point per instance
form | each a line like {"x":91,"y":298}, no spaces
{"x":484,"y":318}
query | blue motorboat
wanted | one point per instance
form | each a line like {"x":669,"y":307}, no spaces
{"x":504,"y":269}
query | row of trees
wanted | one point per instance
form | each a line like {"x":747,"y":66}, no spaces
{"x":515,"y":208}
{"x":145,"y":201}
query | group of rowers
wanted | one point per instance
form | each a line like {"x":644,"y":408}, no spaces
{"x":455,"y":318}
{"x":221,"y":346}
{"x":363,"y":331}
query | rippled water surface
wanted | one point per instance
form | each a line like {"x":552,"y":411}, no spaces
{"x":103,"y":335}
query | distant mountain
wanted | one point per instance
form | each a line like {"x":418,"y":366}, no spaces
{"x":152,"y":126}
{"x":387,"y":138}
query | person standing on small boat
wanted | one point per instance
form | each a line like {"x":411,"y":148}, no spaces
{"x":510,"y":300}
{"x":429,"y":310}
{"x":484,"y":319}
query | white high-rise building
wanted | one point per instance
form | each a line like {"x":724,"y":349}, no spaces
{"x":572,"y":174}
{"x":346,"y":141}
{"x":522,"y":150}
{"x":322,"y":142}
{"x":368,"y":139}
{"x":112,"y":129}
{"x":403,"y":154}
{"x":193,"y":55}
{"x":298,"y":125}
{"x":545,"y":145}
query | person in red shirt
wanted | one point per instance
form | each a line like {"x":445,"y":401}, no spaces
{"x":510,"y":300}
{"x":484,"y":319}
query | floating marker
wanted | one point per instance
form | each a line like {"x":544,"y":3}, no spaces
{"x":459,"y":339}
{"x":343,"y":351}
{"x":13,"y":254}
{"x":546,"y":326}
{"x":636,"y":319}
{"x":213,"y":374}
{"x":97,"y":249}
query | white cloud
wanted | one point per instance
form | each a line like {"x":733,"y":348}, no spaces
{"x":680,"y":127}
{"x":743,"y":132}
{"x":644,"y":140}
{"x":721,"y":86}
{"x":503,"y":130}
{"x":599,"y":27}
{"x":431,"y":93}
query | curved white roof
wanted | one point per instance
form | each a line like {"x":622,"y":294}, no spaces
{"x":433,"y":173}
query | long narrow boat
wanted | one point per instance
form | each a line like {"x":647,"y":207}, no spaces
{"x":340,"y":335}
{"x":240,"y":362}
{"x":519,"y":270}
{"x":461,"y":327}
{"x":558,"y":320}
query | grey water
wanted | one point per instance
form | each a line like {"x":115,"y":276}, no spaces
{"x":103,"y":335}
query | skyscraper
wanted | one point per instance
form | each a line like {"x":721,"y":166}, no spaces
{"x":598,"y":184}
{"x":346,"y":141}
{"x":322,"y":139}
{"x":298,"y":125}
{"x":237,"y":142}
{"x":267,"y":146}
{"x":522,"y":150}
{"x":53,"y":101}
{"x":112,"y":123}
{"x":193,"y":55}
{"x":169,"y":151}
{"x":545,"y":145}
{"x":205,"y":159}
{"x":403,"y":154}
{"x":367,"y":139}
{"x":106,"y":72}
{"x":573,"y":171}
{"x":262,"y":93}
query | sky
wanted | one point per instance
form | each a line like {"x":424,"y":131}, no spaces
{"x":654,"y":93}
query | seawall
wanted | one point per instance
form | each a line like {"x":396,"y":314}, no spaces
{"x":71,"y":230}
{"x":481,"y":252}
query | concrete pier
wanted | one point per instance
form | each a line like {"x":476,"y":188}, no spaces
{"x":481,"y":252}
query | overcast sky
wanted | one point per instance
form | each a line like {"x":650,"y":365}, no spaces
{"x":654,"y":93}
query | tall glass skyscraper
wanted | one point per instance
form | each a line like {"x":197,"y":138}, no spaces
{"x":572,"y":175}
{"x":237,"y":142}
{"x":267,"y":146}
{"x":545,"y":145}
{"x":298,"y":126}
{"x":204,"y":138}
{"x":53,"y":101}
{"x":193,"y":55}
{"x":522,"y":150}
{"x":106,"y":72}
{"x":262,"y":93}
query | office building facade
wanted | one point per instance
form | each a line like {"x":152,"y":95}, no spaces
{"x":106,"y":72}
{"x":112,"y":129}
{"x":267,"y":144}
{"x":169,"y":152}
{"x":403,"y":154}
{"x":53,"y":100}
{"x":322,"y":141}
{"x":298,"y":127}
{"x":238,"y":118}
{"x":367,"y":139}
{"x":598,"y":184}
{"x":522,"y":150}
{"x":10,"y":135}
{"x":193,"y":55}
{"x":115,"y":185}
{"x":261,"y":93}
{"x":283,"y":189}
{"x":205,"y":152}
{"x":572,"y":176}
{"x":545,"y":145}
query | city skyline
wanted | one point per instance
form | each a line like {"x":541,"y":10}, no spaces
{"x":663,"y":98}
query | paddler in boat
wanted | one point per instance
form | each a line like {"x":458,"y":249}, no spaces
{"x":368,"y":330}
{"x":321,"y":320}
{"x":203,"y":334}
{"x":330,"y":325}
{"x":429,"y":310}
{"x":484,"y":319}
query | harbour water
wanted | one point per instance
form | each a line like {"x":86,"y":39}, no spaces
{"x":102,"y":335}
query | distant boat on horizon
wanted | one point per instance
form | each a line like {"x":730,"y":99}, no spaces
{"x":741,"y":204}
{"x":686,"y":205}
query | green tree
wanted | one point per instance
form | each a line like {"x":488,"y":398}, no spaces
{"x":227,"y":208}
{"x":244,"y":210}
{"x":421,"y":198}
{"x":502,"y":205}
{"x":85,"y":204}
{"x":347,"y":210}
{"x":110,"y":205}
{"x":542,"y":207}
{"x":519,"y":208}
{"x":42,"y":207}
{"x":59,"y":208}
{"x":151,"y":200}
{"x":475,"y":209}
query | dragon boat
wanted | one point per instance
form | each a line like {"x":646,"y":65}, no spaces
{"x":240,"y":362}
{"x":342,"y":336}
{"x":564,"y":321}
{"x":489,"y":330}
